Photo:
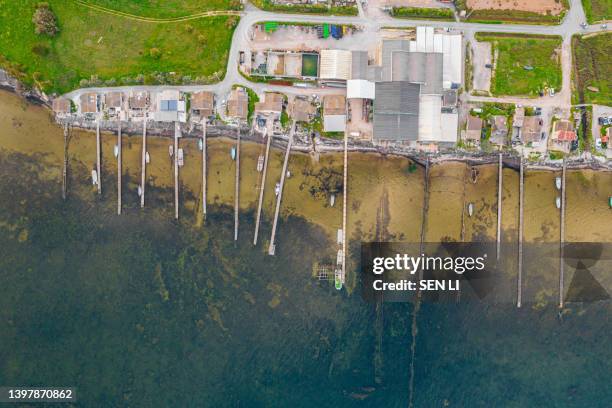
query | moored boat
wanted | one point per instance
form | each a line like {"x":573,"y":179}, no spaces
{"x":260,"y":163}
{"x":338,"y":279}
{"x":558,"y":202}
{"x":558,"y":182}
{"x":147,"y":158}
{"x":180,"y":157}
{"x":277,"y":189}
{"x":116,"y":151}
{"x":470,"y":209}
{"x":94,"y":177}
{"x":332,"y":200}
{"x":139,"y":191}
{"x":233,"y":153}
{"x":171,"y":150}
{"x":200,"y":144}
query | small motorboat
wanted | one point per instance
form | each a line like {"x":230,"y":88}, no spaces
{"x":558,"y":182}
{"x":558,"y":202}
{"x":288,"y":174}
{"x":139,"y":191}
{"x":200,"y":144}
{"x":116,"y":152}
{"x":171,"y":150}
{"x":233,"y":153}
{"x":470,"y":209}
{"x":260,"y":163}
{"x":180,"y":157}
{"x":94,"y":177}
{"x":147,"y":158}
{"x":338,"y":279}
{"x":277,"y":189}
{"x":332,"y":200}
{"x":610,"y":201}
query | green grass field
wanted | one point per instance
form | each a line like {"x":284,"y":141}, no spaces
{"x":115,"y":49}
{"x":593,"y":68}
{"x":516,"y":52}
{"x":166,"y":8}
{"x":597,"y":10}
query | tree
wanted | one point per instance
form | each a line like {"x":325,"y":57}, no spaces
{"x":44,"y":20}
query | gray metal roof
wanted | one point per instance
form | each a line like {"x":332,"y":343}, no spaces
{"x":396,"y":111}
{"x":388,"y":48}
{"x":359,"y":68}
{"x":424,"y":68}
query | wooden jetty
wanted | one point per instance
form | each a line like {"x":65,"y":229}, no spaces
{"x":177,"y":134}
{"x":263,"y":182}
{"x":519,"y":284}
{"x":98,"y":157}
{"x":272,"y":248}
{"x":65,"y":168}
{"x":204,"y":166}
{"x":500,"y":181}
{"x":143,"y":164}
{"x":344,"y":204}
{"x":562,"y":238}
{"x":119,"y":171}
{"x":237,"y":188}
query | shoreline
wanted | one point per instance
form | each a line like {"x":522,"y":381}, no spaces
{"x":320,"y":146}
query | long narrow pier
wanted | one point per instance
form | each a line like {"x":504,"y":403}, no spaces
{"x":519,"y":283}
{"x":98,"y":157}
{"x":272,"y":248}
{"x":344,"y":203}
{"x":177,"y":133}
{"x":562,"y":239}
{"x":204,"y":167}
{"x":65,"y":168}
{"x":143,"y":164}
{"x":119,"y":170}
{"x":263,"y":184}
{"x":237,"y":190}
{"x":500,"y":181}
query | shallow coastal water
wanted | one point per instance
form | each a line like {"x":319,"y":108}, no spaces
{"x":141,"y":310}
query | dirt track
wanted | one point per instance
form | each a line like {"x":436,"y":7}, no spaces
{"x":535,"y":6}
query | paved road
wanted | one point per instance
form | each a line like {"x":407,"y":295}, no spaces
{"x":252,"y":15}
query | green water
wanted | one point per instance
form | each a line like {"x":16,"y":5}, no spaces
{"x":141,"y":311}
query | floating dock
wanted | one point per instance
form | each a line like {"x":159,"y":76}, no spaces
{"x":119,"y":168}
{"x":263,"y":182}
{"x":272,"y":248}
{"x":237,"y":188}
{"x":519,"y":284}
{"x":98,"y":157}
{"x":143,"y":164}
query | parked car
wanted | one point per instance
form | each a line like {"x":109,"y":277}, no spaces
{"x":489,"y":66}
{"x":598,"y":143}
{"x":583,"y":25}
{"x":604,"y":26}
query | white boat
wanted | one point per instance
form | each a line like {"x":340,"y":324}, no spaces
{"x":94,"y":177}
{"x":180,"y":157}
{"x":139,"y":191}
{"x":116,"y":151}
{"x":288,"y":174}
{"x":277,"y":189}
{"x":558,"y":202}
{"x":233,"y":153}
{"x":147,"y":158}
{"x":260,"y":163}
{"x":470,"y":209}
{"x":332,"y":200}
{"x":200,"y":144}
{"x":171,"y":150}
{"x":558,"y":182}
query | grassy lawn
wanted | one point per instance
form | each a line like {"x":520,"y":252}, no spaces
{"x":514,"y":53}
{"x":597,"y":10}
{"x":116,"y":50}
{"x":268,"y":5}
{"x":166,"y":8}
{"x":425,"y":13}
{"x":593,"y":68}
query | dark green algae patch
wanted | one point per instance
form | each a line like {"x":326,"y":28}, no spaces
{"x":140,"y":310}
